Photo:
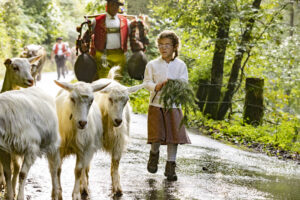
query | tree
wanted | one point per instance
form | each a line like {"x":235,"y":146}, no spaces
{"x":222,"y":11}
{"x":243,"y":47}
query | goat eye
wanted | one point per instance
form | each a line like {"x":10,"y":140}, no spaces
{"x":16,"y":69}
{"x":91,"y":101}
{"x":72,"y":99}
{"x":110,"y":100}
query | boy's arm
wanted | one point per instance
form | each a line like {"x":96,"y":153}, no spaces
{"x":184,"y":73}
{"x":148,"y":79}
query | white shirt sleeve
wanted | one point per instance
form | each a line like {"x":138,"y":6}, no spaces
{"x":184,"y":73}
{"x":148,"y":78}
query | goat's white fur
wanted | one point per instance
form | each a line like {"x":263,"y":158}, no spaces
{"x":28,"y":128}
{"x":80,"y":127}
{"x":18,"y":74}
{"x":115,"y":109}
{"x":33,"y":50}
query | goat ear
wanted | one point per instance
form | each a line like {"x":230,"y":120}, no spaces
{"x":104,"y":82}
{"x":64,"y":85}
{"x":106,"y":90}
{"x":135,"y":88}
{"x":7,"y":62}
{"x":32,"y":60}
{"x":98,"y":87}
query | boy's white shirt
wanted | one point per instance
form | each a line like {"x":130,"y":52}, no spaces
{"x":113,"y":40}
{"x":60,"y":49}
{"x":157,"y":71}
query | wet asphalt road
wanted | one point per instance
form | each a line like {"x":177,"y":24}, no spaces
{"x":207,"y":169}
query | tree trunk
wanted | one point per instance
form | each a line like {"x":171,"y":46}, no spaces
{"x":246,"y":37}
{"x":202,"y":93}
{"x":254,"y":108}
{"x":214,"y":94}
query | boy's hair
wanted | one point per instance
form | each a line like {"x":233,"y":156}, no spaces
{"x":171,"y":35}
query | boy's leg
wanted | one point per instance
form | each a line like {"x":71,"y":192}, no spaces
{"x":172,"y":152}
{"x":171,"y":163}
{"x":153,"y":158}
{"x":155,"y":148}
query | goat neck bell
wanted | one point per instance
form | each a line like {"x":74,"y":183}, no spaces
{"x":85,"y":68}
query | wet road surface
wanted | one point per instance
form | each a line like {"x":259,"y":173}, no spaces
{"x":207,"y":169}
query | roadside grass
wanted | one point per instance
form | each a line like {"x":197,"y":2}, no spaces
{"x":281,"y":140}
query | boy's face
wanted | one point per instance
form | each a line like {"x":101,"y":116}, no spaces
{"x":166,"y":48}
{"x":112,"y":8}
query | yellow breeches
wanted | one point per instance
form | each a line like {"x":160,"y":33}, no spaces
{"x":114,"y":57}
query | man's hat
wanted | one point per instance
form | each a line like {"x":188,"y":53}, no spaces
{"x":120,"y":2}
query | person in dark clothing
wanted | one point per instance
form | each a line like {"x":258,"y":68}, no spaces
{"x":59,"y":52}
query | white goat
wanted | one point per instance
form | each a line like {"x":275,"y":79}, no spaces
{"x":115,"y":109}
{"x":34,"y":50}
{"x":28,"y":128}
{"x":80,"y":127}
{"x":18,"y":74}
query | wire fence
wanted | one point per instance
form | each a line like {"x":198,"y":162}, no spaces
{"x":268,"y":107}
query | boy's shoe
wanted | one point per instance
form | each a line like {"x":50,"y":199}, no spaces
{"x":152,"y":162}
{"x":170,"y":171}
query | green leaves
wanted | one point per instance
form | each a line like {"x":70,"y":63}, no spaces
{"x":179,"y":93}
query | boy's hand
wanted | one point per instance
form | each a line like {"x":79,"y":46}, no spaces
{"x":160,"y":85}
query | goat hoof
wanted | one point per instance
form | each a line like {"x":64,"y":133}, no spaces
{"x":84,"y":194}
{"x":118,"y":193}
{"x":76,"y":196}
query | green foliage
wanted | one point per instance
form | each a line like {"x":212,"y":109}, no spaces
{"x":284,"y":136}
{"x":139,"y":101}
{"x":24,"y":22}
{"x":274,"y":56}
{"x":179,"y":93}
{"x":274,"y":52}
{"x":95,"y":7}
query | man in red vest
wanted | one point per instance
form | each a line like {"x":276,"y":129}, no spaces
{"x":110,"y":39}
{"x":59,"y":52}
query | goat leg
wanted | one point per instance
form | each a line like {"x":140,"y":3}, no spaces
{"x":78,"y":171}
{"x":5,"y":159}
{"x":54,"y":162}
{"x":29,"y":159}
{"x":16,"y":170}
{"x":115,"y":177}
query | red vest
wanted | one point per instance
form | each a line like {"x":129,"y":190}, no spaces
{"x":63,"y":49}
{"x":100,"y":32}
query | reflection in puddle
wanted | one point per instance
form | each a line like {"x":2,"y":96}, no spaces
{"x":163,"y":191}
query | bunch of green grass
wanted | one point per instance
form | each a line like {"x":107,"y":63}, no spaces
{"x":178,"y":92}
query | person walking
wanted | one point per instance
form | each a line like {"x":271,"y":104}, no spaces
{"x":110,"y":36}
{"x":164,"y":125}
{"x":59,"y":51}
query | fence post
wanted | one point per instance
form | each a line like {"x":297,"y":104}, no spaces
{"x":254,"y":108}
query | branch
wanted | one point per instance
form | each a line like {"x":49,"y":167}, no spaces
{"x":273,"y":18}
{"x":242,"y":71}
